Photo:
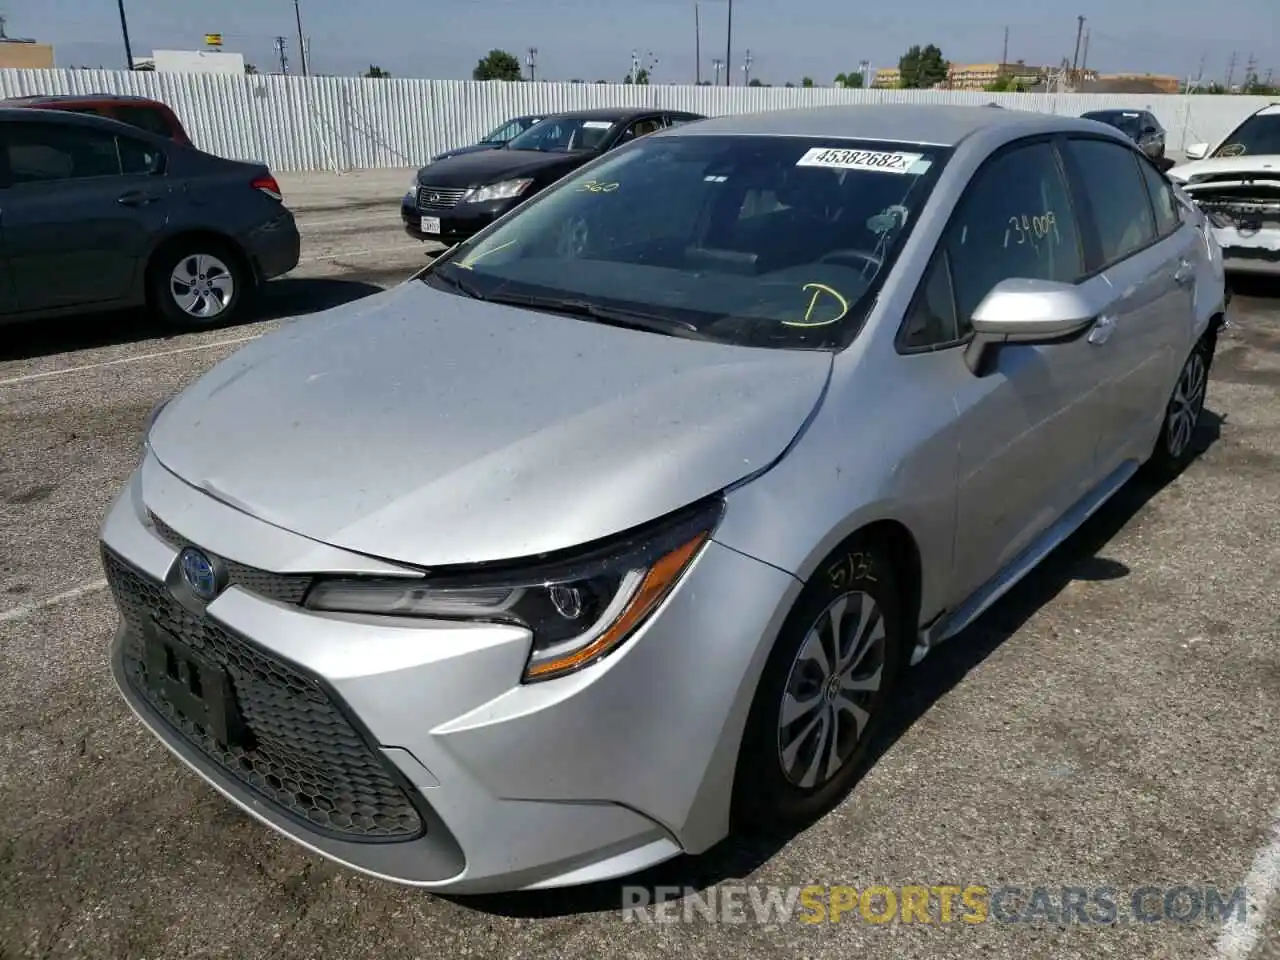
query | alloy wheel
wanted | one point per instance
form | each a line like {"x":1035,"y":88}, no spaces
{"x":1186,"y":405}
{"x":829,"y":694}
{"x":202,"y":286}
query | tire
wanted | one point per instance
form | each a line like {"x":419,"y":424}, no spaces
{"x":220,"y":284}
{"x":1175,"y":447}
{"x":770,"y":785}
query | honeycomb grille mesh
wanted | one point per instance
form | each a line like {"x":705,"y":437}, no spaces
{"x":304,"y":757}
{"x":286,"y":588}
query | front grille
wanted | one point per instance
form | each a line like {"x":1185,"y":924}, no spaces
{"x":287,"y":588}
{"x":304,"y":757}
{"x":439,"y":198}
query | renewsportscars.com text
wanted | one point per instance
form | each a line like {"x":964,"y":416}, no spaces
{"x":963,"y":904}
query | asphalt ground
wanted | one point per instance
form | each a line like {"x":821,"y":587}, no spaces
{"x":1112,"y":723}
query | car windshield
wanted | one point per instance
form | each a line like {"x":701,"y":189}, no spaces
{"x":509,"y":130}
{"x":1127,"y":123}
{"x":1260,"y":134}
{"x":761,"y":241}
{"x":564,"y":135}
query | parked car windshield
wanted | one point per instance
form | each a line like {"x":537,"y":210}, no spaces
{"x":1128,"y":123}
{"x":507,"y":131}
{"x":563,"y":135}
{"x":764,"y":241}
{"x":1260,"y":134}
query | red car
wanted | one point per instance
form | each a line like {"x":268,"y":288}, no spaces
{"x":150,"y":115}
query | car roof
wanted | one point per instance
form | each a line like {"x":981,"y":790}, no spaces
{"x":935,"y":125}
{"x":79,"y":98}
{"x":615,"y":114}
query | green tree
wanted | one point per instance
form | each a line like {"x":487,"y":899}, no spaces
{"x":852,"y":80}
{"x":807,"y":82}
{"x":497,"y":65}
{"x":1003,"y":85}
{"x":249,"y":68}
{"x":922,"y":68}
{"x":756,"y":82}
{"x":642,"y":77}
{"x":376,"y":72}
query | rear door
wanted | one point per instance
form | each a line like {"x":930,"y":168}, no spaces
{"x":1151,"y":266}
{"x":80,"y":214}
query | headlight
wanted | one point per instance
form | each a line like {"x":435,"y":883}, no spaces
{"x":578,"y":611}
{"x":497,"y":191}
{"x":413,"y":186}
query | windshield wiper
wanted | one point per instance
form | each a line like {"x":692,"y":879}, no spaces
{"x":457,"y":282}
{"x":613,"y":316}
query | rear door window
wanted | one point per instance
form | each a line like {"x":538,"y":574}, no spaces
{"x":1116,"y":195}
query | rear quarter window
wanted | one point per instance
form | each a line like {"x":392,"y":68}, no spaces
{"x":145,"y":118}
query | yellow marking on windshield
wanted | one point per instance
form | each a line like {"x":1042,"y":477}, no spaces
{"x":466,"y":264}
{"x":595,"y":186}
{"x":819,"y":289}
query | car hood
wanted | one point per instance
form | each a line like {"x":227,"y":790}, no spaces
{"x":426,"y":428}
{"x":1262,"y":163}
{"x":464,"y":151}
{"x":490,"y":166}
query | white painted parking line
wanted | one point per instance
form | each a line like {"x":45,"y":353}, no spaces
{"x":1239,"y":937}
{"x":387,"y":217}
{"x":26,"y":609}
{"x":28,"y":377}
{"x":368,"y":252}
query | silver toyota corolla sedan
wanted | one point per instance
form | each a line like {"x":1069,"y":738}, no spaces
{"x":617,"y":526}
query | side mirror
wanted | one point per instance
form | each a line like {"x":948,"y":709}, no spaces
{"x":1196,"y":151}
{"x":1148,"y":130}
{"x":1030,"y":312}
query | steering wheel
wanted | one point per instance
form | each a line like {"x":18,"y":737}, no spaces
{"x":866,"y":259}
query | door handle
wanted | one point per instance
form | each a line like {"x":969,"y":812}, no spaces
{"x":136,"y":198}
{"x":1185,"y":273}
{"x":1103,"y":327}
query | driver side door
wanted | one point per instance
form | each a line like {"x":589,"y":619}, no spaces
{"x":1025,"y":431}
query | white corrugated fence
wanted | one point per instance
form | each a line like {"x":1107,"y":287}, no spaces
{"x":347,"y":123}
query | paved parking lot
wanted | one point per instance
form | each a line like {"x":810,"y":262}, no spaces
{"x":1112,"y":723}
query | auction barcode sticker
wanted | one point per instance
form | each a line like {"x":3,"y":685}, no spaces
{"x":864,"y":160}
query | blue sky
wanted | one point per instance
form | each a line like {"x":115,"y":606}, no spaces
{"x":593,"y":39}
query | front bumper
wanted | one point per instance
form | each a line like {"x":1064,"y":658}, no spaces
{"x":410,"y":751}
{"x":456,"y":223}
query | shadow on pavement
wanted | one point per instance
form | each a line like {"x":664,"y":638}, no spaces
{"x":285,"y":297}
{"x":944,"y":669}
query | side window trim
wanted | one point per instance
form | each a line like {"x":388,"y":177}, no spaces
{"x":1053,"y":140}
{"x":1096,"y":264}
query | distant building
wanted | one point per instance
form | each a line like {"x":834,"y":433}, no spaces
{"x":1137,"y":83}
{"x":25,"y":54}
{"x":191,"y":61}
{"x":888,"y":78}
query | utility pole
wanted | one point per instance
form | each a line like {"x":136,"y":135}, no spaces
{"x":728,"y":49}
{"x":635,"y":67}
{"x":124,"y":30}
{"x":697,"y":45}
{"x":1075,"y":60}
{"x":1084,"y":56}
{"x":746,"y":70}
{"x":1231,"y":70}
{"x":1267,"y":82}
{"x":302,"y":44}
{"x":2,"y":36}
{"x":1004,"y":57}
{"x":284,"y":59}
{"x":1250,"y":74}
{"x":532,"y":62}
{"x":716,"y":64}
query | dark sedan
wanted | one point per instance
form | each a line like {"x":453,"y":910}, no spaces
{"x":455,"y":198}
{"x":1140,"y":126}
{"x":99,"y":215}
{"x":494,"y":139}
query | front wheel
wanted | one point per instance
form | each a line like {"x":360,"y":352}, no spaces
{"x":824,"y":691}
{"x":1174,"y":449}
{"x":199,"y":284}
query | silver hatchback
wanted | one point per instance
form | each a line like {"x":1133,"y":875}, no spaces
{"x":617,"y":526}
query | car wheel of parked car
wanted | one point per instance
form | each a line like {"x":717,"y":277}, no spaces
{"x":199,"y":284}
{"x":824,"y":690}
{"x":1175,"y":448}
